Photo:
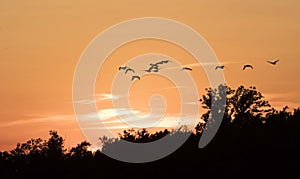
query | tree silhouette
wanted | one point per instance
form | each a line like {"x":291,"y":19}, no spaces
{"x":244,"y":107}
{"x":81,"y":151}
{"x":247,"y":106}
{"x":142,"y":135}
{"x":254,"y":139}
{"x":215,"y":98}
{"x":55,"y":146}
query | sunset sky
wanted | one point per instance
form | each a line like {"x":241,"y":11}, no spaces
{"x":41,"y":42}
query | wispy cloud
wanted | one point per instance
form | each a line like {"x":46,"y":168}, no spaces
{"x":99,"y":98}
{"x":167,"y":122}
{"x":160,"y":89}
{"x":30,"y":119}
{"x":145,"y":120}
{"x":193,"y":103}
{"x":113,"y":119}
{"x":111,"y":113}
{"x":120,"y":127}
{"x":105,"y":96}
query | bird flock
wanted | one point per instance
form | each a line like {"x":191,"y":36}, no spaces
{"x":250,"y":66}
{"x":154,"y":67}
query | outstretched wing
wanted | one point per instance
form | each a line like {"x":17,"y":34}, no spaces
{"x":159,"y":63}
{"x":129,"y":69}
{"x":247,"y":66}
{"x":220,"y":67}
{"x":133,"y":77}
{"x":186,"y":68}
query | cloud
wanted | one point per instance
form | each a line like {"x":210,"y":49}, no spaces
{"x":168,"y":122}
{"x":146,"y":121}
{"x":98,"y":98}
{"x":105,"y":96}
{"x":111,"y":113}
{"x":142,"y":117}
{"x":121,"y":127}
{"x":165,"y":88}
{"x":193,"y":103}
{"x":39,"y":119}
{"x":113,"y":119}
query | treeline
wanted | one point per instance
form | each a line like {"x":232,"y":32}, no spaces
{"x":254,"y":140}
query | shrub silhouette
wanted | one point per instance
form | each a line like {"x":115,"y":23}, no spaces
{"x":81,"y":151}
{"x":254,"y":140}
{"x":142,"y":135}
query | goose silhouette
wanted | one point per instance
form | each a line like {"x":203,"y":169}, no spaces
{"x":166,"y":61}
{"x":187,"y":68}
{"x":153,"y":68}
{"x":155,"y":64}
{"x":159,"y":63}
{"x":128,"y":70}
{"x":135,"y":77}
{"x":220,"y":67}
{"x":273,"y":62}
{"x":247,"y":66}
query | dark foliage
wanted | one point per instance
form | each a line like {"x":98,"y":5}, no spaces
{"x":254,"y":141}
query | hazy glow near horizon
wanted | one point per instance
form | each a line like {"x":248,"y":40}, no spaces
{"x":41,"y":43}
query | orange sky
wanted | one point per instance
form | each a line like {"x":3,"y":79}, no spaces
{"x":41,"y":42}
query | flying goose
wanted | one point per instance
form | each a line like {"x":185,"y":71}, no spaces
{"x":274,"y":62}
{"x":135,"y":77}
{"x":129,"y":69}
{"x":247,"y":66}
{"x":220,"y":67}
{"x":153,"y":67}
{"x":166,"y":61}
{"x":187,"y":68}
